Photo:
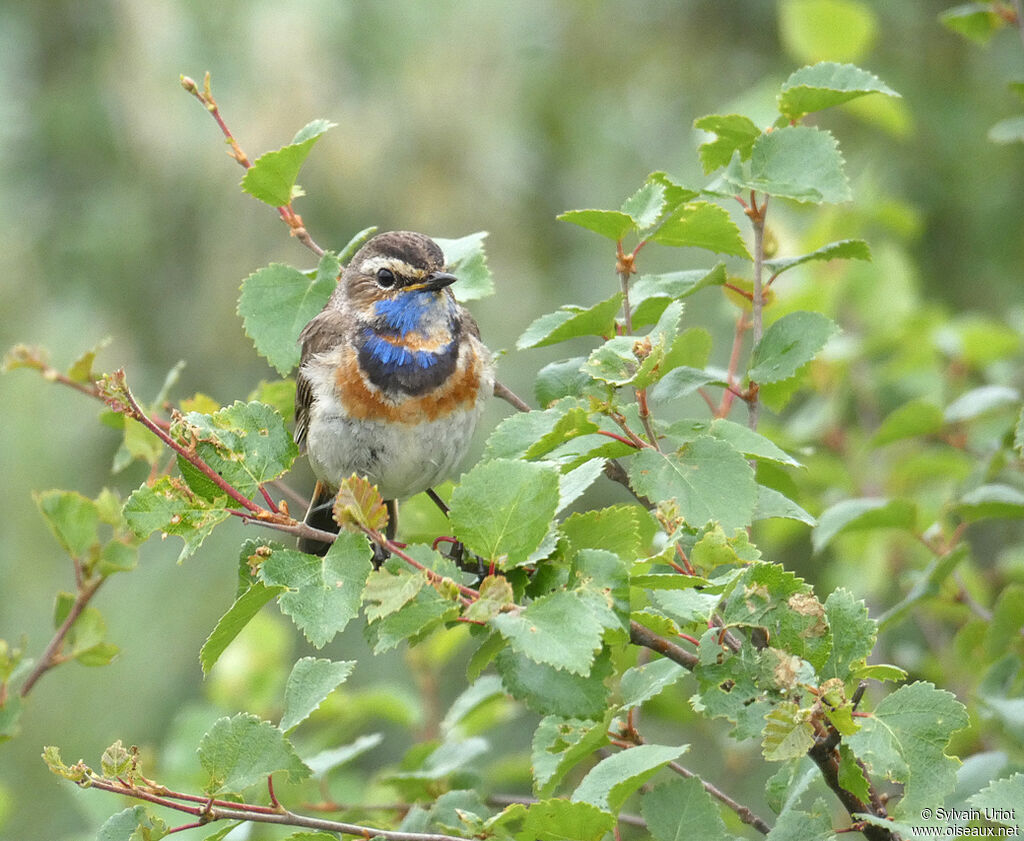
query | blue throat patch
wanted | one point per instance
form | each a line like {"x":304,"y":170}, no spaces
{"x":390,"y":357}
{"x":404,"y":313}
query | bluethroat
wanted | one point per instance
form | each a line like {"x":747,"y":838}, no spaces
{"x":392,"y":379}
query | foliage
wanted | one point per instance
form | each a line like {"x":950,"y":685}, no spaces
{"x":588,"y":616}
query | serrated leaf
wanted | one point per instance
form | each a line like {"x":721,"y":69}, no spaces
{"x":271,"y":178}
{"x":241,"y":751}
{"x":131,"y":824}
{"x":550,"y":691}
{"x":466,"y":260}
{"x":612,"y":780}
{"x":611,"y":224}
{"x":539,"y":632}
{"x":708,"y":478}
{"x":788,"y":733}
{"x":561,"y":379}
{"x":636,"y":360}
{"x":651,"y":293}
{"x":73,"y":519}
{"x":278,"y":301}
{"x":853,"y":634}
{"x":502,"y":509}
{"x":733,"y":133}
{"x":570,"y":322}
{"x":387,"y":591}
{"x":551,"y":820}
{"x":310,"y":682}
{"x":246,"y":443}
{"x":559,"y":744}
{"x":788,"y":345}
{"x":359,"y":504}
{"x":645,"y":205}
{"x":857,"y":514}
{"x":742,"y":437}
{"x":614,"y":529}
{"x":796,"y":162}
{"x":245,"y":607}
{"x":912,"y":419}
{"x":674,"y":809}
{"x":905,"y":739}
{"x":703,"y":225}
{"x":643,"y":682}
{"x":825,"y":85}
{"x":323,"y":594}
{"x":996,"y":799}
{"x":168,"y":506}
{"x":844,"y":249}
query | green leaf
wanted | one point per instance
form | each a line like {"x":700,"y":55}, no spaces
{"x":81,"y":370}
{"x":615,"y":529}
{"x":389,"y":590}
{"x":794,"y":162}
{"x":73,"y":519}
{"x":788,"y":733}
{"x":358,"y":505}
{"x":502,"y":509}
{"x":674,"y":809}
{"x":1000,"y":801}
{"x":814,"y":30}
{"x":1018,"y":435}
{"x":788,"y":345}
{"x":229,"y":626}
{"x":561,"y":743}
{"x":856,"y":514}
{"x":994,"y":501}
{"x":242,"y":751}
{"x":797,"y":825}
{"x":612,"y":780}
{"x":826,"y":85}
{"x":354,"y":244}
{"x":980,"y":401}
{"x":742,"y":437}
{"x":539,"y":632}
{"x":627,"y":359}
{"x":278,"y":301}
{"x":651,"y":293}
{"x":733,"y":133}
{"x":844,"y":249}
{"x":853,"y":634}
{"x":708,"y":478}
{"x":645,"y":206}
{"x":466,"y":260}
{"x":561,"y":379}
{"x":475,"y":697}
{"x":611,"y":224}
{"x":168,"y":506}
{"x":421,"y":614}
{"x":1010,"y":130}
{"x":977,"y":22}
{"x":772,"y":504}
{"x":246,"y":443}
{"x":132,"y":824}
{"x":703,"y":225}
{"x":571,"y":321}
{"x":323,"y":594}
{"x":905,"y":739}
{"x":309,"y":684}
{"x":551,"y":820}
{"x":550,"y":691}
{"x":271,"y":178}
{"x":859,"y":514}
{"x":643,"y":682}
{"x":912,"y":419}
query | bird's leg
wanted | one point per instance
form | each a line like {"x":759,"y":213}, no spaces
{"x":456,"y":551}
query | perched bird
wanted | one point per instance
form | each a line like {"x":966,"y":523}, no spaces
{"x":392,"y":379}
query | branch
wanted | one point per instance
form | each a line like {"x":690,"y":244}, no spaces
{"x":50,"y":657}
{"x":208,"y":811}
{"x":639,"y":635}
{"x":286,"y":212}
{"x":757,"y":215}
{"x":742,"y":812}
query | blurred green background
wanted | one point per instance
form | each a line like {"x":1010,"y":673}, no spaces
{"x":122,"y":218}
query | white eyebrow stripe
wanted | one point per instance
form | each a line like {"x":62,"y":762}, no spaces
{"x":372,"y":265}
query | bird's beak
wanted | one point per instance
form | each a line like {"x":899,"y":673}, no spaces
{"x":433,"y":282}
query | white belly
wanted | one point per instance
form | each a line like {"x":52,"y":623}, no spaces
{"x":400,"y":459}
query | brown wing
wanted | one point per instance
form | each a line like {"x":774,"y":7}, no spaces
{"x":325,"y":332}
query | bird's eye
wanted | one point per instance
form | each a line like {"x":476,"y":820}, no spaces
{"x":385,"y":278}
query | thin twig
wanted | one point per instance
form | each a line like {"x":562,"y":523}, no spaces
{"x":744,"y":813}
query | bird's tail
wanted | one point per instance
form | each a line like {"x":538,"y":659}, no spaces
{"x":319,"y":515}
